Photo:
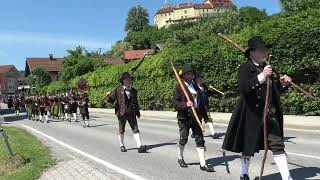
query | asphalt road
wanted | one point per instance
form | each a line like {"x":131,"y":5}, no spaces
{"x":100,"y":141}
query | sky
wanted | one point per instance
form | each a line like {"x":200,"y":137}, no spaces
{"x":37,"y":28}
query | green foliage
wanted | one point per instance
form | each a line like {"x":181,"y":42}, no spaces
{"x":38,"y":78}
{"x":252,"y":15}
{"x":137,"y":19}
{"x":295,"y":39}
{"x":79,"y":62}
{"x":118,"y":49}
{"x":291,"y":6}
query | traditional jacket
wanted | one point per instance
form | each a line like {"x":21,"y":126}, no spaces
{"x":245,"y":130}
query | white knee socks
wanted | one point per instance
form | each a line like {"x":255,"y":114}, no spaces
{"x":245,"y":163}
{"x":75,"y":116}
{"x":201,"y":156}
{"x":211,"y":128}
{"x":180,"y":152}
{"x":282,"y":163}
{"x":121,"y":139}
{"x":137,"y":138}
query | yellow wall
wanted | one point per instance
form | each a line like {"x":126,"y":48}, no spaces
{"x":161,"y":20}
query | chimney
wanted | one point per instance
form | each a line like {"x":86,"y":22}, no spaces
{"x":51,"y":57}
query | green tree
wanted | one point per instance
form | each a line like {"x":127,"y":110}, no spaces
{"x":118,"y":49}
{"x":289,"y":6}
{"x":252,"y":15}
{"x":79,"y":62}
{"x":38,"y":78}
{"x":137,"y":19}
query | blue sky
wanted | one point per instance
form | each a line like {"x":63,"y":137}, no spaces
{"x":36,"y":28}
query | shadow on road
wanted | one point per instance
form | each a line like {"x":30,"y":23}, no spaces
{"x":14,"y":118}
{"x":303,"y":173}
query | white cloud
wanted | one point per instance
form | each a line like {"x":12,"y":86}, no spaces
{"x":51,"y":39}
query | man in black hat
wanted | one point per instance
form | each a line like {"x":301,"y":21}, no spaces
{"x":186,"y":120}
{"x":245,"y":131}
{"x":83,"y":104}
{"x":127,"y":109}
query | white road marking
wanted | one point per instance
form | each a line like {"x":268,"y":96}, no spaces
{"x":100,"y":161}
{"x":290,"y":153}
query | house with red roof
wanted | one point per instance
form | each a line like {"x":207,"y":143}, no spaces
{"x":132,"y":55}
{"x":50,"y":64}
{"x":9,"y":76}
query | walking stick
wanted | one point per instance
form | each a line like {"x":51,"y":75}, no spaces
{"x":265,"y":125}
{"x":132,"y":71}
{"x":211,"y":87}
{"x":187,"y":96}
{"x":292,"y":83}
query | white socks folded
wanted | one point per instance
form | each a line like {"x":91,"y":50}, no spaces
{"x":138,"y":139}
{"x":75,"y":116}
{"x":245,"y":163}
{"x":280,"y":160}
{"x":180,"y":152}
{"x":121,"y":139}
{"x":282,"y":163}
{"x":211,"y":128}
{"x":201,"y":156}
{"x":135,"y":136}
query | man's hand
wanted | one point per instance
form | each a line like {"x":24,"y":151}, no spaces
{"x":267,"y":71}
{"x":210,"y":88}
{"x":285,"y":80}
{"x":189,"y":104}
{"x":108,"y":94}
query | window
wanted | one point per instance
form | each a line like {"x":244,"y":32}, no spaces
{"x":185,"y":16}
{"x":185,"y":11}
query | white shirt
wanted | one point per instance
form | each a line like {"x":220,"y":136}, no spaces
{"x":193,"y":93}
{"x":128,"y":92}
{"x":261,"y":77}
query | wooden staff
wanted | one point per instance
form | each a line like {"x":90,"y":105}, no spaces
{"x":265,"y":125}
{"x":211,"y":87}
{"x":243,"y":50}
{"x":187,"y":96}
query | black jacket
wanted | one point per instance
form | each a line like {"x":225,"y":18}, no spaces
{"x":180,"y":103}
{"x":245,"y":130}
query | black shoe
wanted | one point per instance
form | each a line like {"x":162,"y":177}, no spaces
{"x":206,"y":168}
{"x":182,"y":163}
{"x":215,"y":136}
{"x":245,"y":177}
{"x":123,"y":149}
{"x":142,"y":149}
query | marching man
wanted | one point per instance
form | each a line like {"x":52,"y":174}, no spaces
{"x":245,"y":132}
{"x":186,"y":120}
{"x":127,"y":109}
{"x":206,"y":92}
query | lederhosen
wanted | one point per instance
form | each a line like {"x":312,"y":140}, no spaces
{"x":129,"y":115}
{"x":186,"y":120}
{"x":84,"y":105}
{"x":126,"y":108}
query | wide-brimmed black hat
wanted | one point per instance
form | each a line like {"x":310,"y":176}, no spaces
{"x":185,"y":68}
{"x":124,"y":76}
{"x":254,"y":43}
